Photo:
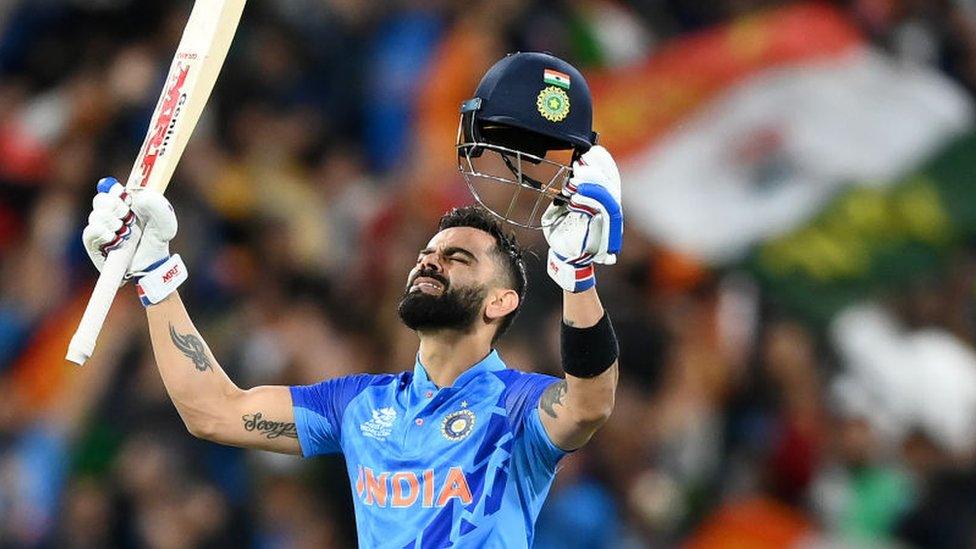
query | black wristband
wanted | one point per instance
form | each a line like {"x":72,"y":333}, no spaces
{"x":588,"y":352}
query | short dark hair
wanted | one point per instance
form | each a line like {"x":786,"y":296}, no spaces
{"x":509,"y":253}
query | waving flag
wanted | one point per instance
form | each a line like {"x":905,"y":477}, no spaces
{"x":741,"y":133}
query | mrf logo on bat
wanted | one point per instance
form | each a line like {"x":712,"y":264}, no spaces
{"x":169,"y":113}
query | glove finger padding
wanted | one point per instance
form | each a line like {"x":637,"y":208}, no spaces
{"x":596,"y":190}
{"x":144,"y":218}
{"x":159,"y":226}
{"x":587,"y":226}
{"x":607,"y":175}
{"x":106,"y":227}
{"x":113,"y":203}
{"x":160,"y":274}
{"x":607,"y":225}
{"x":94,"y":238}
{"x":572,"y":242}
{"x":568,"y":233}
{"x":155,"y":214}
{"x":110,"y":223}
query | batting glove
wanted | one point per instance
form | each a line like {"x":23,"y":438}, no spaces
{"x":144,"y":219}
{"x":587,"y":226}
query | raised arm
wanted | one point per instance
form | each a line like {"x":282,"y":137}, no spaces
{"x":574,"y":408}
{"x":585,"y":228}
{"x":211,"y":405}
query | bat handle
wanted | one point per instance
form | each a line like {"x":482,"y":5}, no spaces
{"x":83,"y":342}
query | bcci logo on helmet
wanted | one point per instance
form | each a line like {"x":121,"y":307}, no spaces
{"x":553,"y":104}
{"x":457,"y":425}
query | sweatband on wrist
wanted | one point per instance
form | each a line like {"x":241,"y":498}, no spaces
{"x":588,"y":352}
{"x":162,"y":280}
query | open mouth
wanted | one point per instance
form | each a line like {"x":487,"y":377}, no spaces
{"x":427,"y":285}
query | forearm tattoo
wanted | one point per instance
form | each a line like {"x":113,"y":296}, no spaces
{"x":193,"y":347}
{"x":552,"y":396}
{"x":270,"y":429}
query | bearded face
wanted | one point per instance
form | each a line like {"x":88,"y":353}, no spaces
{"x":431,"y":302}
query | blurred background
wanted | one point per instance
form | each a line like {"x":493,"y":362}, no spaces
{"x":795,"y":300}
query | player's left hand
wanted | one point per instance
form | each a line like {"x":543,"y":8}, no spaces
{"x":112,"y":223}
{"x":587,"y":227}
{"x":144,"y":219}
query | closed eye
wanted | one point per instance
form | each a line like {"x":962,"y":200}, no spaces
{"x":460,"y":254}
{"x":452,"y":254}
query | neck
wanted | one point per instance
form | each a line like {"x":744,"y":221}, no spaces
{"x":446,"y":354}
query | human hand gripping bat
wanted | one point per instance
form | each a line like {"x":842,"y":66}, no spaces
{"x":211,"y":404}
{"x":117,"y":217}
{"x":192,"y":75}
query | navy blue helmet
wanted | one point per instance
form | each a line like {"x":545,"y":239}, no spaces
{"x":525,"y":107}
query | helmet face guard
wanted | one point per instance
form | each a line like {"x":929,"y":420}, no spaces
{"x":506,"y":169}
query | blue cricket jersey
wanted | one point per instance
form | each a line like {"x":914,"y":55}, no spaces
{"x":462,"y":466}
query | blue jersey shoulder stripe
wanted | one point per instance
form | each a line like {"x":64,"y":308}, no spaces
{"x":522,"y":393}
{"x":327,"y":401}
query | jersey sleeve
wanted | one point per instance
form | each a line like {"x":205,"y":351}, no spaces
{"x":318,"y":411}
{"x":522,"y":403}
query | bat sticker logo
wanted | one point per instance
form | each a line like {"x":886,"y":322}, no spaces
{"x":168,"y":114}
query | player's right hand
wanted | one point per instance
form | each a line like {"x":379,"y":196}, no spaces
{"x":118,"y":218}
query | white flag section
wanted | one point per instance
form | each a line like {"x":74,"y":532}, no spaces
{"x":767,"y":153}
{"x":900,"y":379}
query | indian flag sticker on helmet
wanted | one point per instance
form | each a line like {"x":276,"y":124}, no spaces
{"x":556,"y":78}
{"x":553,"y":104}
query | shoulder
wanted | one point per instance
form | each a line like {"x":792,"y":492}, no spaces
{"x":522,"y":390}
{"x":517,"y":380}
{"x":338,"y":392}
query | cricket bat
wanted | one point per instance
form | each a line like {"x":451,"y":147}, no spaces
{"x":192,"y":75}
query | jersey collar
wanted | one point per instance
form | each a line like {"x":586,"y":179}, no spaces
{"x":422,"y":383}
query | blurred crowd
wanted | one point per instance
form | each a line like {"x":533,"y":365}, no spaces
{"x":320,"y":167}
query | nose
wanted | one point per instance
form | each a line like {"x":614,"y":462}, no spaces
{"x":430,"y":262}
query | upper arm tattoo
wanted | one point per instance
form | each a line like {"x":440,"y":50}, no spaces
{"x":270,"y":429}
{"x":552,"y":396}
{"x":193,"y":347}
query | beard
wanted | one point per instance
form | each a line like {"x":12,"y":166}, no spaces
{"x":453,"y":309}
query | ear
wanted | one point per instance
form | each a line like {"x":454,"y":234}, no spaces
{"x":500,"y":302}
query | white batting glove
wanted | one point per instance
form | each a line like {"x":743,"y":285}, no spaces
{"x":145,"y":219}
{"x":588,"y":227}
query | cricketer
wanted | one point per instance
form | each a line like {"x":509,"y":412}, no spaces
{"x":460,"y":450}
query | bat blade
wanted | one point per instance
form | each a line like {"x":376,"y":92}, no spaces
{"x":192,"y":75}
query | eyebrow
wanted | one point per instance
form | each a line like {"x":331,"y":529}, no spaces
{"x":451,"y":251}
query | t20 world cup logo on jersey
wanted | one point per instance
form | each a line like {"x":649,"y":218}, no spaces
{"x":380,"y":424}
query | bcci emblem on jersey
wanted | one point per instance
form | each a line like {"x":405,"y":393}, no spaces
{"x":380,"y":425}
{"x":457,"y":425}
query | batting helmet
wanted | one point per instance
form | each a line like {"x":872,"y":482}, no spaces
{"x":526,"y":106}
